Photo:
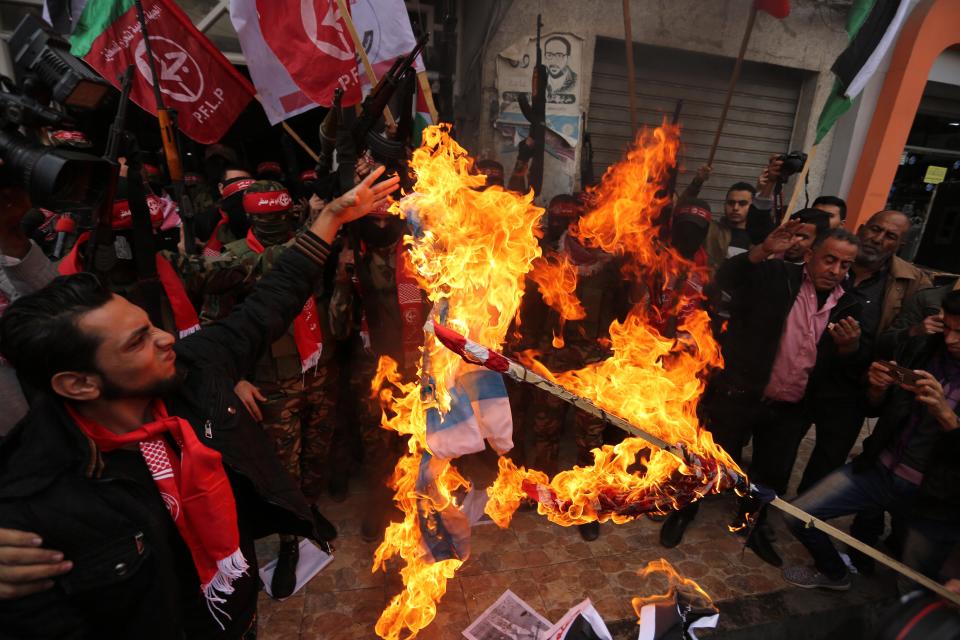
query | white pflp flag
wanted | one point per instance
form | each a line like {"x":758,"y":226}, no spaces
{"x":279,"y":94}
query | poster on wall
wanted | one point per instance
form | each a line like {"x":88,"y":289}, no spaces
{"x":562,"y":56}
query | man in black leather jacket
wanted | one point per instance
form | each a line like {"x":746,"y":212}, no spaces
{"x":132,"y":572}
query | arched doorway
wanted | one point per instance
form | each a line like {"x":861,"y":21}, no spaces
{"x":933,"y":26}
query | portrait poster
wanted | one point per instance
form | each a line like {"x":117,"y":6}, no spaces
{"x":562,"y":56}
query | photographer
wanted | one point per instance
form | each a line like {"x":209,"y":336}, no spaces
{"x":908,"y":465}
{"x":764,"y":216}
{"x":136,"y":463}
{"x":23,"y":270}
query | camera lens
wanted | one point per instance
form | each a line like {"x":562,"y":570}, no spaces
{"x":54,"y":177}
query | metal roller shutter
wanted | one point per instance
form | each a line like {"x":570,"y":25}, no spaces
{"x":760,"y":120}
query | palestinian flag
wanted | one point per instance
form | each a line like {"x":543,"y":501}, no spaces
{"x":422,"y":120}
{"x":872,"y":27}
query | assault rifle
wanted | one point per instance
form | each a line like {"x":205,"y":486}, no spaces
{"x":101,"y":256}
{"x":536,"y":115}
{"x":371,"y":110}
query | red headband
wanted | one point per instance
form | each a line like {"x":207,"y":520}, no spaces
{"x":152,"y":169}
{"x":239,"y":185}
{"x":308,"y":175}
{"x":266,"y":201}
{"x":191,"y":178}
{"x":693,"y":210}
{"x":565,"y":209}
{"x":265,"y":167}
{"x":123,"y":218}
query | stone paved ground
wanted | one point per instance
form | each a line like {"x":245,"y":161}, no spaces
{"x":547,"y":565}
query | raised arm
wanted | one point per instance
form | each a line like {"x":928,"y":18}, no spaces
{"x":280,"y":295}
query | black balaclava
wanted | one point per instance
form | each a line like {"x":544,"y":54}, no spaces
{"x":376,"y":236}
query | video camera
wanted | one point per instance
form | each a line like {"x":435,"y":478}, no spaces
{"x":56,"y":178}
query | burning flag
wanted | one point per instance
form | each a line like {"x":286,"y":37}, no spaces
{"x":473,"y":265}
{"x":472,"y":251}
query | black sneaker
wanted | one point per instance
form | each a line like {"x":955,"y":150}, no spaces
{"x":760,"y":544}
{"x":589,"y":531}
{"x":284,"y":579}
{"x":671,"y":533}
{"x":372,"y":527}
{"x":810,"y":578}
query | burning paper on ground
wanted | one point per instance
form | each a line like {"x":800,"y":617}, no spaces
{"x":677,"y":612}
{"x":580,"y":623}
{"x":509,"y":618}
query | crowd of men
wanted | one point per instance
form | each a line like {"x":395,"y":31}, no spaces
{"x":152,"y":433}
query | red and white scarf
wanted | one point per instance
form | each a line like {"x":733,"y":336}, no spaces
{"x":195,"y":488}
{"x":184,"y":315}
{"x":306,"y":326}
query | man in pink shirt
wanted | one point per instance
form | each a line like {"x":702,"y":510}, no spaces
{"x":788,"y":322}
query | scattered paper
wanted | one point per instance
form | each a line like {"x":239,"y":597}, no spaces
{"x":509,"y":618}
{"x":580,"y":623}
{"x":312,"y":561}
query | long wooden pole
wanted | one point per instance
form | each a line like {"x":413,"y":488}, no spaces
{"x":815,"y":523}
{"x":631,"y":79}
{"x":733,"y":81}
{"x":476,"y":353}
{"x":299,"y":140}
{"x":427,"y":92}
{"x":358,"y":44}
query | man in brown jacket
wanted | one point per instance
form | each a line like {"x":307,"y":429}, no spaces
{"x":728,"y":237}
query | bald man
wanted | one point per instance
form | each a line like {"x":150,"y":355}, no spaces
{"x":880,"y":282}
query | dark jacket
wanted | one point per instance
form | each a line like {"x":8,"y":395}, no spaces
{"x":122,"y":583}
{"x":939,"y":496}
{"x":926,"y":302}
{"x":762,"y":296}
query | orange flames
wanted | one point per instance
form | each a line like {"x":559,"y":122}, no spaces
{"x":652,"y":381}
{"x":471,"y":251}
{"x":661,"y":571}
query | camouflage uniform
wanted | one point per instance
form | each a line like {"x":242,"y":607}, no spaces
{"x":299,"y":411}
{"x":604,"y":297}
{"x":377,"y":276}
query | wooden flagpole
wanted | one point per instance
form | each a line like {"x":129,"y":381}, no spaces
{"x":299,"y":140}
{"x":631,"y":79}
{"x":424,"y":83}
{"x":358,"y":43}
{"x":475,"y":353}
{"x":751,"y":20}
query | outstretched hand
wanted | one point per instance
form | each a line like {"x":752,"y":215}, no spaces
{"x":356,"y":203}
{"x":364,"y":198}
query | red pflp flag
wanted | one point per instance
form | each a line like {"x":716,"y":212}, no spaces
{"x":195,"y":79}
{"x":311,"y":39}
{"x":779,"y":9}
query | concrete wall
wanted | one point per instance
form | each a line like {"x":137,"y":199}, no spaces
{"x":809,"y":39}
